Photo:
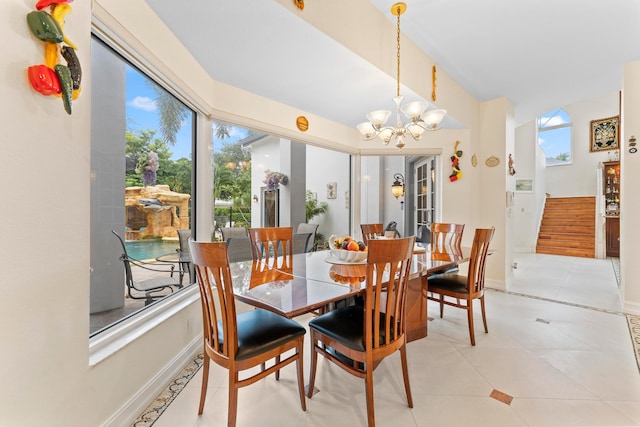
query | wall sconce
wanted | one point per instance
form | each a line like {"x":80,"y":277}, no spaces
{"x":397,"y":188}
{"x":255,"y":198}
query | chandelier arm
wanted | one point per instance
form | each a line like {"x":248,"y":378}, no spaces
{"x":424,"y":126}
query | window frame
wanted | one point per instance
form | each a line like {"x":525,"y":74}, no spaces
{"x":542,"y":129}
{"x":131,"y":327}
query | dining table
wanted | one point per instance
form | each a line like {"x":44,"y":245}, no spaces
{"x":302,"y":283}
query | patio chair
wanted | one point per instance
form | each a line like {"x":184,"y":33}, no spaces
{"x":302,"y":243}
{"x":239,"y":249}
{"x":184,"y":254}
{"x":305,"y":227}
{"x":152,"y":288}
{"x":228,"y":232}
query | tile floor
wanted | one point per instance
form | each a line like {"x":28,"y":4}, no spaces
{"x":563,"y":364}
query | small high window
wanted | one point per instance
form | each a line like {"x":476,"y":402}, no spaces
{"x":554,"y":137}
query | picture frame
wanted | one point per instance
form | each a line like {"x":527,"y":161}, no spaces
{"x":332,"y":190}
{"x":524,"y":185}
{"x":604,"y":134}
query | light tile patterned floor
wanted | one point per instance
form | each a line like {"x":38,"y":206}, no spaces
{"x":563,"y":356}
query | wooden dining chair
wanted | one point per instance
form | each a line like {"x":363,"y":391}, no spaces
{"x":359,"y":337}
{"x":240,"y":341}
{"x":465,"y":289}
{"x":446,"y":237}
{"x":270,"y":243}
{"x":446,"y":241}
{"x":369,"y":231}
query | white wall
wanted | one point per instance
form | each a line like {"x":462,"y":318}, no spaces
{"x":630,"y":202}
{"x":579,"y":178}
{"x":324,"y":166}
{"x":527,"y":210}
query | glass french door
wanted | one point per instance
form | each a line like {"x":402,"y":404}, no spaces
{"x":425,"y":196}
{"x":270,"y":214}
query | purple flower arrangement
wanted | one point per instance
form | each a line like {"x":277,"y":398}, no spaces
{"x":274,"y":179}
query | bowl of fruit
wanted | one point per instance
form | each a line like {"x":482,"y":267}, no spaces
{"x":347,"y":249}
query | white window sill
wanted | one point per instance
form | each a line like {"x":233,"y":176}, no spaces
{"x":118,"y":336}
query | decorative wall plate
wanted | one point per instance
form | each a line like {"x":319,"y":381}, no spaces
{"x":302,"y":123}
{"x":492,"y":161}
{"x":474,"y":160}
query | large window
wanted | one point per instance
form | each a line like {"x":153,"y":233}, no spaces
{"x":554,"y":137}
{"x":243,"y":158}
{"x":142,"y":168}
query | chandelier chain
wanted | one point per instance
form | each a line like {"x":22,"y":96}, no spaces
{"x":398,"y":56}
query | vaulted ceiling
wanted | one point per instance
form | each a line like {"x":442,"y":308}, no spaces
{"x":541,"y":54}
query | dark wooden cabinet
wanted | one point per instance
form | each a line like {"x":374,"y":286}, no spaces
{"x":613,"y":236}
{"x":611,"y":184}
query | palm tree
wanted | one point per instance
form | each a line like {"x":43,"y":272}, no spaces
{"x":172,"y":113}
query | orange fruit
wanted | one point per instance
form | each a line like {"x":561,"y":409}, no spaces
{"x":353,"y":246}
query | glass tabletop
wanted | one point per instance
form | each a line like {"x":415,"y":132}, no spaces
{"x":305,"y":282}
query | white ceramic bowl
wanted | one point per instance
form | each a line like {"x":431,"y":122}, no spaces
{"x":345,"y":255}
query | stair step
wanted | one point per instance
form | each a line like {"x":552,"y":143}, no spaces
{"x":566,"y":236}
{"x":566,"y":244}
{"x":585,"y":253}
{"x":581,"y":222}
{"x":587,"y":199}
{"x":562,"y":215}
{"x":567,"y":229}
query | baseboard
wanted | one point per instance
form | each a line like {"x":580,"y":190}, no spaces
{"x":128,"y":413}
{"x":500,"y":285}
{"x":631,"y":308}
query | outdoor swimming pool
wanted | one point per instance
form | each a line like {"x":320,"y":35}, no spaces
{"x":149,"y":249}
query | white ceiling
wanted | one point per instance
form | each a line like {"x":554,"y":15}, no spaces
{"x":540,"y":54}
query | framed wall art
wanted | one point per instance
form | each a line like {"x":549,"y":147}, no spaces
{"x":604,"y":134}
{"x":524,"y":185}
{"x":332,"y":190}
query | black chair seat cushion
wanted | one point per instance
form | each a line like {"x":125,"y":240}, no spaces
{"x":346,"y":326}
{"x":448,"y":282}
{"x":261,"y":330}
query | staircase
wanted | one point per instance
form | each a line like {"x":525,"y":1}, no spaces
{"x":568,"y":227}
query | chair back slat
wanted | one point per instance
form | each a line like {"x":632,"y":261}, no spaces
{"x":446,"y":238}
{"x":388,"y":267}
{"x":272,"y":244}
{"x":370,"y":231}
{"x":477,"y":262}
{"x":216,"y":291}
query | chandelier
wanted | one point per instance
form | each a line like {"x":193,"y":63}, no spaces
{"x":419,"y":119}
